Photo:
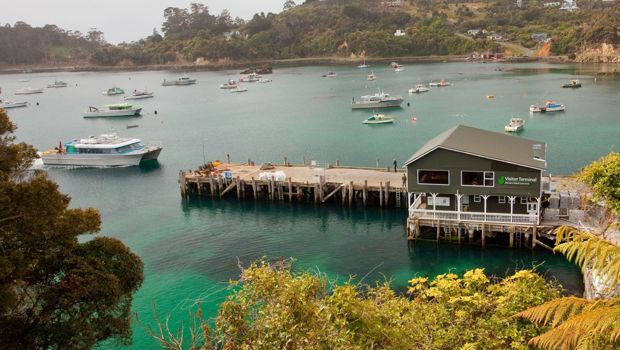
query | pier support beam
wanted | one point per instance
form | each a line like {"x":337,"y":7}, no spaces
{"x":512,"y":237}
{"x":254,"y":191}
{"x":534,"y":237}
{"x":381,"y":194}
{"x":484,"y":233}
{"x":290,"y":190}
{"x":365,"y":193}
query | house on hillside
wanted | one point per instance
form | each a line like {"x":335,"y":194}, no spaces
{"x":552,"y":4}
{"x":399,"y":32}
{"x":495,"y":37}
{"x":569,"y":5}
{"x":540,"y":37}
{"x":477,"y":32}
{"x":231,"y":34}
{"x":393,"y":3}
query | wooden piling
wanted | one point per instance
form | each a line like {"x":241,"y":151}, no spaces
{"x":511,"y":232}
{"x":483,"y":235}
{"x":365,"y":192}
{"x":381,"y":194}
{"x":350,"y":193}
{"x":237,"y":183}
{"x":211,"y":185}
{"x":534,"y":237}
{"x":290,"y":190}
{"x":438,"y":230}
{"x":387,"y":194}
{"x":254,"y":192}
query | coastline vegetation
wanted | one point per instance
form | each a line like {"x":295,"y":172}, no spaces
{"x":329,"y":28}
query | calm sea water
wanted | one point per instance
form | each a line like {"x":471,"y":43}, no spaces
{"x":190,"y":249}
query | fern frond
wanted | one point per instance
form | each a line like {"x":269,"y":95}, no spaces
{"x":587,"y":250}
{"x":556,"y":311}
{"x":600,"y":321}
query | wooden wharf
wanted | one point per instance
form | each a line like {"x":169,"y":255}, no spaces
{"x":367,"y":186}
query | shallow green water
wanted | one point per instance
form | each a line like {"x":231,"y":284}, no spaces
{"x":191,"y":249}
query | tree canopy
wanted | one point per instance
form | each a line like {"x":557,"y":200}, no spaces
{"x":55,"y":292}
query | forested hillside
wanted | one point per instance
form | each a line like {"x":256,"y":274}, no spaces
{"x":332,"y":28}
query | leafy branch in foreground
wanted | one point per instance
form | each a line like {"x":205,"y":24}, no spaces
{"x":577,"y":323}
{"x":272,"y":306}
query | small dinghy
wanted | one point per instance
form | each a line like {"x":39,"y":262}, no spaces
{"x":378,"y":119}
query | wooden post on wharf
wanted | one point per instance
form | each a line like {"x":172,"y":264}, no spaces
{"x":290,"y":190}
{"x":387,"y":193}
{"x":211,"y":185}
{"x":483,"y":235}
{"x":365,"y":193}
{"x":511,"y":233}
{"x":534,"y":238}
{"x":350,"y":193}
{"x":381,"y":194}
{"x":238,"y":183}
{"x":254,"y":192}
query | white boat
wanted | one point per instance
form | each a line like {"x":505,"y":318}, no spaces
{"x":238,"y":89}
{"x":139,"y":95}
{"x":418,"y":89}
{"x":101,"y":151}
{"x":515,"y":125}
{"x":443,"y":83}
{"x":12,"y":104}
{"x":251,"y":78}
{"x":264,"y":80}
{"x":549,"y":106}
{"x":378,"y":119}
{"x":231,"y":84}
{"x":182,"y":80}
{"x":113,"y":110}
{"x":399,"y":68}
{"x":57,"y":84}
{"x":114,"y":91}
{"x":330,"y":74}
{"x":363,"y":65}
{"x":394,"y":65}
{"x":371,"y":76}
{"x":433,"y":84}
{"x":28,"y":91}
{"x":378,"y":100}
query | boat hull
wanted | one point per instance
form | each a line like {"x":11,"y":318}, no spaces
{"x":152,"y":153}
{"x":13,"y":105}
{"x":92,"y":160}
{"x":105,"y":114}
{"x":374,"y":122}
{"x":30,"y":92}
{"x":179,"y":83}
{"x":376,"y":105}
{"x":513,"y":128}
{"x":139,"y":97}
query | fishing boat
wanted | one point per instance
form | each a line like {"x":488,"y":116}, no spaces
{"x":371,"y":76}
{"x":264,"y":80}
{"x":57,"y":84}
{"x":330,"y":74}
{"x":28,"y":91}
{"x":418,"y":89}
{"x":100,"y":151}
{"x":114,"y":91}
{"x":363,"y":65}
{"x":378,"y":100}
{"x":113,"y":110}
{"x":139,"y":95}
{"x":378,"y":119}
{"x":515,"y":125}
{"x":231,"y":84}
{"x":12,"y":104}
{"x":251,"y":78}
{"x":549,"y":106}
{"x":238,"y":89}
{"x":182,"y":80}
{"x":574,"y":83}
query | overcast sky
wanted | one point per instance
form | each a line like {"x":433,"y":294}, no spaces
{"x":120,"y":20}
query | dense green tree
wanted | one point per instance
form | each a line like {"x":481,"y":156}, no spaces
{"x":55,"y":292}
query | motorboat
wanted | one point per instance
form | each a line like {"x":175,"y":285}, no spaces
{"x":515,"y":125}
{"x":371,"y":76}
{"x":443,"y":83}
{"x":28,"y":91}
{"x":100,"y":151}
{"x":549,"y":106}
{"x":251,"y":78}
{"x":490,"y":97}
{"x":264,"y":80}
{"x":574,"y":83}
{"x":418,"y":89}
{"x":57,"y":84}
{"x":182,"y":80}
{"x":12,"y":104}
{"x":394,"y":65}
{"x":378,"y":119}
{"x":397,"y":67}
{"x":363,"y":65}
{"x":114,"y":91}
{"x":238,"y":89}
{"x":378,"y":100}
{"x":433,"y":84}
{"x":139,"y":95}
{"x":130,"y":126}
{"x":113,"y":110}
{"x":231,"y":84}
{"x":330,"y":74}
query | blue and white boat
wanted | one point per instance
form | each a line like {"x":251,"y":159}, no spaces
{"x":549,"y":106}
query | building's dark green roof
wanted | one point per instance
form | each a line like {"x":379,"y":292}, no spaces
{"x":486,"y":144}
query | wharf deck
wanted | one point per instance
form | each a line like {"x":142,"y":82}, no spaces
{"x":348,"y":185}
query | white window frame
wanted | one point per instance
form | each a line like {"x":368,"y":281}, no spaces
{"x":501,"y":199}
{"x":417,"y":178}
{"x":484,"y":177}
{"x":524,"y":200}
{"x":477,"y":198}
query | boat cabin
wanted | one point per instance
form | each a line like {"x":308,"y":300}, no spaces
{"x":469,"y":174}
{"x":104,"y":144}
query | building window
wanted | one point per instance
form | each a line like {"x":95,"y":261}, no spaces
{"x":501,"y":199}
{"x":478,"y":178}
{"x":433,"y":177}
{"x":523,"y":200}
{"x":477,"y":198}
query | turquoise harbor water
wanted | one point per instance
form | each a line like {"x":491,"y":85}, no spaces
{"x":190,"y":249}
